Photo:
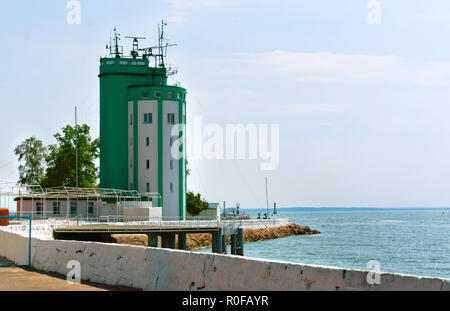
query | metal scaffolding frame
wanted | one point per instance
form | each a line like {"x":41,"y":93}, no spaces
{"x":37,"y":193}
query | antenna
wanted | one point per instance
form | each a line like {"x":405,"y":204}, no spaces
{"x":158,"y":52}
{"x":135,"y":52}
{"x":160,"y":42}
{"x":171,"y":71}
{"x":162,"y":50}
{"x":115,"y":50}
{"x":161,"y":47}
{"x":267,"y":200}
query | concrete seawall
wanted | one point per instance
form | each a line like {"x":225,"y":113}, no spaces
{"x":163,"y":269}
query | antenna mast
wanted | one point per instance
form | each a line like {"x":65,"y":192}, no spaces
{"x":115,"y":50}
{"x":160,"y":42}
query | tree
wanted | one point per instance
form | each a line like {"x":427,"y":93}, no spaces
{"x":61,"y":164}
{"x":195,"y":204}
{"x":31,"y":153}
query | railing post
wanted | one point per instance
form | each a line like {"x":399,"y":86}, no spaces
{"x":240,"y":242}
{"x":182,"y":241}
{"x":233,"y":244}
{"x":217,"y":241}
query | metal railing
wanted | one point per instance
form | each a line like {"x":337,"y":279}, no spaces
{"x":140,"y":224}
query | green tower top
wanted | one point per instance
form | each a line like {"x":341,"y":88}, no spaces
{"x":148,"y":61}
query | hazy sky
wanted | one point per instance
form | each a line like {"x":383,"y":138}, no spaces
{"x":363,"y":108}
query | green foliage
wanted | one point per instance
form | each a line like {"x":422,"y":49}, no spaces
{"x":61,"y":164}
{"x":31,"y":153}
{"x":195,"y":204}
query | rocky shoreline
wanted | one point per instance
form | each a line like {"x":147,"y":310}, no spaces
{"x":202,"y":240}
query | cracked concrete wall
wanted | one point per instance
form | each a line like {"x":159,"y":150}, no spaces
{"x":14,"y":247}
{"x":163,"y":269}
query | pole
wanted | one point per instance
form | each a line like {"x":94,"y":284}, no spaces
{"x":29,"y":244}
{"x":267,"y":199}
{"x":76,"y":153}
{"x":76,"y":149}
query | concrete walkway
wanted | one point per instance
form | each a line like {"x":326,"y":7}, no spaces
{"x":18,"y":279}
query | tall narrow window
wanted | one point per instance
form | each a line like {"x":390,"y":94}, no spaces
{"x":171,"y":118}
{"x":171,"y":187}
{"x":131,"y":119}
{"x":147,"y":141}
{"x":39,"y":208}
{"x":171,"y":164}
{"x":91,"y":207}
{"x":73,"y":208}
{"x":148,"y":118}
{"x":148,"y":187}
{"x":171,"y":141}
{"x":148,"y":164}
{"x":56,"y":208}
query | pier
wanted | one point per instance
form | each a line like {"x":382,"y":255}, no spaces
{"x":169,"y":232}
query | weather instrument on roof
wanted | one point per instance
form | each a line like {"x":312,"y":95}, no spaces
{"x":135,"y":51}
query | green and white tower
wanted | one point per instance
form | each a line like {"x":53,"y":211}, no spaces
{"x":138,"y":113}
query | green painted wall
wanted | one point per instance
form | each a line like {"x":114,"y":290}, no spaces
{"x":114,"y":81}
{"x":122,"y":80}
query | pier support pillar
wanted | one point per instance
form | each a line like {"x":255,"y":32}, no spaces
{"x":217,"y":242}
{"x":152,"y":239}
{"x":233,"y":244}
{"x":168,"y":240}
{"x":182,"y":241}
{"x":240,"y":242}
{"x":224,"y":244}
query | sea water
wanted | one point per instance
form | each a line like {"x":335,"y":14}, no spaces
{"x":402,"y":241}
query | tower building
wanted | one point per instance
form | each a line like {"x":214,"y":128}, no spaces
{"x":140,"y":118}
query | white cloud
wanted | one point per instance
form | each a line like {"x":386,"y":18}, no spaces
{"x":301,"y":108}
{"x":200,"y":4}
{"x":326,"y":124}
{"x":235,"y":72}
{"x":317,"y":79}
{"x":325,"y":67}
{"x":176,"y":19}
{"x":239,"y":91}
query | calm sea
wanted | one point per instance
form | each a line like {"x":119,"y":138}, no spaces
{"x":402,"y":241}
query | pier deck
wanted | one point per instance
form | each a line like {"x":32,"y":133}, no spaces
{"x":133,"y":229}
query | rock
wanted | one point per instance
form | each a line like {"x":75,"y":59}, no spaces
{"x":201,"y":240}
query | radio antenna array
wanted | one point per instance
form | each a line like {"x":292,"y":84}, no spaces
{"x":161,"y":49}
{"x":114,"y":47}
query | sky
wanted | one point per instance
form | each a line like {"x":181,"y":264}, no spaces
{"x":362,"y":108}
